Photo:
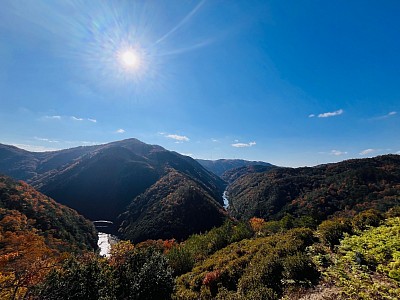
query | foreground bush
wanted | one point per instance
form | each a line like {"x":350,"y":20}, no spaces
{"x":130,"y":273}
{"x":367,"y":266}
{"x":251,"y":269}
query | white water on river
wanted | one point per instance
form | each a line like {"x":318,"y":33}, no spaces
{"x":104,"y":244}
{"x":225,"y":199}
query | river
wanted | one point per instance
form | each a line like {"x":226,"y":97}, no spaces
{"x":225,"y":199}
{"x":106,"y":239}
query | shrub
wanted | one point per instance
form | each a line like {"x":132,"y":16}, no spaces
{"x":144,"y":275}
{"x":84,"y":278}
{"x":300,"y":268}
{"x":366,"y":219}
{"x":180,"y":259}
{"x":332,"y":231}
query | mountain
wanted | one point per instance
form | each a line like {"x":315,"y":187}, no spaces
{"x":101,"y":181}
{"x":24,"y":211}
{"x":233,"y":174}
{"x":171,"y":208}
{"x":220,"y":166}
{"x":345,"y":187}
{"x":25,"y":165}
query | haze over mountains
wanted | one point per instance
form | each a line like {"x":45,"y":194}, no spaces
{"x":220,"y":166}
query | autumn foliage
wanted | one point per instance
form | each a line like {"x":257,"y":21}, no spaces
{"x":35,"y":231}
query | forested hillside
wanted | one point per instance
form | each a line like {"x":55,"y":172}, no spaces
{"x":35,"y":231}
{"x":174,"y":207}
{"x":344,"y":188}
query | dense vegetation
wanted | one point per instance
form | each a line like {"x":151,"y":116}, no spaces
{"x":220,"y":166}
{"x":34,"y":232}
{"x":343,"y":258}
{"x":346,"y":187}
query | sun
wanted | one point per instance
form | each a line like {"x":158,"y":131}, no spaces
{"x":130,"y":59}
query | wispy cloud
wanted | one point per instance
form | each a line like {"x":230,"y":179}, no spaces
{"x":120,"y":130}
{"x":388,"y":115}
{"x":243,"y":145}
{"x":368,"y":151}
{"x":180,"y":138}
{"x":311,"y":116}
{"x":73,"y":118}
{"x":331,"y":114}
{"x":46,"y":140}
{"x":53,"y":117}
{"x":338,"y":152}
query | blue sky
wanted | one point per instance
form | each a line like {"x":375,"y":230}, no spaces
{"x":289,"y":82}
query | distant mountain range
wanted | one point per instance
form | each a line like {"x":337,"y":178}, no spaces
{"x":340,"y":188}
{"x":220,"y":166}
{"x":102,"y":181}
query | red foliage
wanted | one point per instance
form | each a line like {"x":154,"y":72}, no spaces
{"x":211,"y":277}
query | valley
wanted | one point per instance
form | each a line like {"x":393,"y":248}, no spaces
{"x":189,"y":221}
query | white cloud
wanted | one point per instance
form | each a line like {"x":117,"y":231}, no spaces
{"x":243,"y":145}
{"x":92,"y":120}
{"x":53,"y":117}
{"x":368,"y":151}
{"x":76,"y":119}
{"x":180,"y":138}
{"x":338,"y":152}
{"x":214,"y":140}
{"x":45,"y":140}
{"x":120,"y":130}
{"x":392,"y":113}
{"x":331,"y":114}
{"x":311,"y":116}
{"x":34,"y":148}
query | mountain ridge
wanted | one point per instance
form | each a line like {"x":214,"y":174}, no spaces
{"x":220,"y":166}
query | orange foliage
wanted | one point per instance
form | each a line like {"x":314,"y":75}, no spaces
{"x":119,"y":252}
{"x":256,"y":224}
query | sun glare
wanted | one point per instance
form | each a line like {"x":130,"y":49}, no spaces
{"x":129,"y":59}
